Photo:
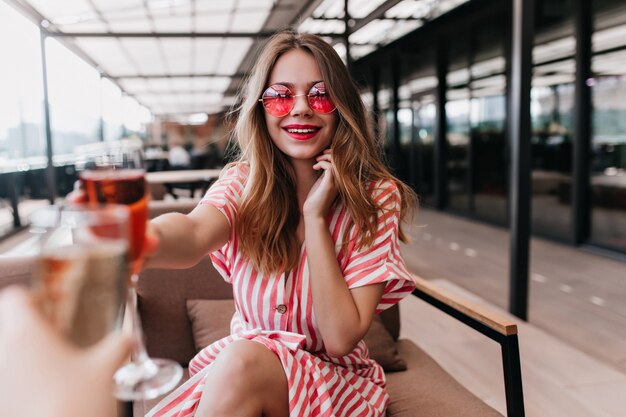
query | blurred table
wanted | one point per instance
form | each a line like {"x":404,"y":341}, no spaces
{"x":191,"y":179}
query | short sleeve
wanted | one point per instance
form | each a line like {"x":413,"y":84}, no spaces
{"x":225,"y":195}
{"x":382,"y":261}
{"x":226,"y":192}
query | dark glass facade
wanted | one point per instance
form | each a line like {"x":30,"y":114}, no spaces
{"x":475,"y":152}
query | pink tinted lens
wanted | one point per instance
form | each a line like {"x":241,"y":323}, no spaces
{"x":320,"y":100}
{"x":278,"y":100}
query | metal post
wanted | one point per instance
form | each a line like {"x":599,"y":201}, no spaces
{"x":395,"y":106}
{"x":413,"y":164}
{"x":581,"y":187}
{"x":14,"y":197}
{"x":50,"y":173}
{"x":512,"y":376}
{"x":441,"y":129}
{"x":471,"y":148}
{"x":519,"y":127}
{"x":346,"y":34}
{"x":375,"y":104}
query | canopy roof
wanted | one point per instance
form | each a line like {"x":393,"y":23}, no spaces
{"x":181,"y":57}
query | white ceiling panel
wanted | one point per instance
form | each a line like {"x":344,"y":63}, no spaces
{"x":213,"y":22}
{"x":169,"y":57}
{"x":442,"y":6}
{"x":151,"y":100}
{"x":95,"y":25}
{"x":311,"y":26}
{"x":178,"y":53}
{"x":372,"y":32}
{"x":173,"y":23}
{"x":406,"y":9}
{"x":357,"y":51}
{"x":159,"y":85}
{"x":163,"y":9}
{"x":146,"y":53}
{"x":211,"y":83}
{"x":136,"y":24}
{"x":179,"y":83}
{"x":108,"y":54}
{"x":255,"y":4}
{"x":134,"y":85}
{"x":207,"y":52}
{"x":249,"y":21}
{"x":62,"y":8}
{"x":213,"y":6}
{"x":400,"y":29}
{"x":118,"y":7}
{"x":360,"y":8}
{"x":124,"y":14}
{"x":233,"y":53}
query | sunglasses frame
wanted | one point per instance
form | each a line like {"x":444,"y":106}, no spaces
{"x":308,"y":95}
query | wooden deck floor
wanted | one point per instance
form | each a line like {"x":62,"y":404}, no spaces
{"x":574,"y":345}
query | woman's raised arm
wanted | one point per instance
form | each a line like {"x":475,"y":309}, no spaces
{"x":183,"y":240}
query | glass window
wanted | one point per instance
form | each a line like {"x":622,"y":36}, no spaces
{"x":458,"y":125}
{"x":74,"y":97}
{"x":608,"y":177}
{"x":425,"y":119}
{"x":136,"y":117}
{"x":111,"y":110}
{"x":551,"y":157}
{"x":21,"y":85}
{"x":457,"y":114}
{"x":22,"y":142}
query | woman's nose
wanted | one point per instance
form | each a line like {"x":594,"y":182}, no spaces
{"x":301,"y":106}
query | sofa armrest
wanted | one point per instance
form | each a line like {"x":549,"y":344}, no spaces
{"x":489,"y":324}
{"x":481,"y":315}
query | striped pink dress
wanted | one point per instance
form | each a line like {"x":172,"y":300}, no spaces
{"x":277,"y":311}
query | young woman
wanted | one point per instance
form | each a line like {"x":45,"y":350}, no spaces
{"x":305,"y":226}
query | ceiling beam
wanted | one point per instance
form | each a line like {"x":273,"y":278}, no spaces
{"x":257,"y":35}
{"x":377,"y":13}
{"x":193,"y":75}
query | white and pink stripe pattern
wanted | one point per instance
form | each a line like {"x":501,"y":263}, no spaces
{"x":318,"y":384}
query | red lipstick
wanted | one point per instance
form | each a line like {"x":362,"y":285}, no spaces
{"x":301,"y":132}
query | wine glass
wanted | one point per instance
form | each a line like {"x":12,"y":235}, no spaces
{"x":117,"y":175}
{"x":82,"y":269}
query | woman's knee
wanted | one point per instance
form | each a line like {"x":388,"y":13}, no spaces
{"x":247,"y":362}
{"x":245,"y":376}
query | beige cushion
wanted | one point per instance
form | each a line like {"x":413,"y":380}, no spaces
{"x":427,"y":390}
{"x":210,"y":321}
{"x":383,"y":348}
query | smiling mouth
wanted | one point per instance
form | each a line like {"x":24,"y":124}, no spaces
{"x":290,"y":130}
{"x":302,"y":133}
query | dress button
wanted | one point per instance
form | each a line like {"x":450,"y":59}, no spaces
{"x":281,"y":308}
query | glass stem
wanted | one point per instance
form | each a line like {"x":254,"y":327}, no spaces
{"x":139,"y":354}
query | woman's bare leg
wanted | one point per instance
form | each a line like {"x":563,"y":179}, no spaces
{"x":246,"y":380}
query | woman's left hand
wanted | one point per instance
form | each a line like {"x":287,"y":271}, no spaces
{"x":324,"y":191}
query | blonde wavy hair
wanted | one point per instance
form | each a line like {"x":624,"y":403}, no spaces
{"x":268,"y":212}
